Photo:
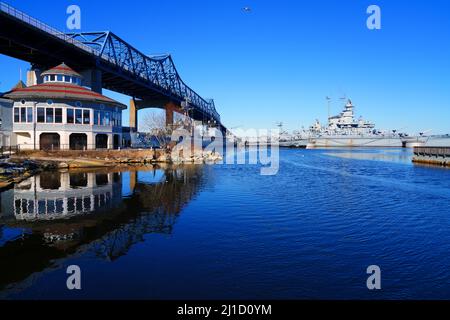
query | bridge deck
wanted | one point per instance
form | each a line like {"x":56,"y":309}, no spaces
{"x":123,"y":68}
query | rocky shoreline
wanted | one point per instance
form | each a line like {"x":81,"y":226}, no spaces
{"x":13,"y":171}
{"x":19,"y":167}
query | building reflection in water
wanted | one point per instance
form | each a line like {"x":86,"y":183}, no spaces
{"x":102,"y":213}
{"x":51,"y":195}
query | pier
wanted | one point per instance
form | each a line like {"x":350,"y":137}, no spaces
{"x":432,"y":155}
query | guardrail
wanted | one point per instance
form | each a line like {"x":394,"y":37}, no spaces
{"x":42,"y":26}
{"x":9,"y":149}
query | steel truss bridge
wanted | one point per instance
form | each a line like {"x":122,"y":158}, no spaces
{"x":120,"y":67}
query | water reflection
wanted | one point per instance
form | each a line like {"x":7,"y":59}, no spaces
{"x":99,"y":212}
{"x":389,"y":155}
{"x":52,"y":196}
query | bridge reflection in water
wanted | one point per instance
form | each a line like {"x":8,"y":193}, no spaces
{"x":58,"y":215}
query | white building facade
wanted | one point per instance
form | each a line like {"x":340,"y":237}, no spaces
{"x":60,"y":114}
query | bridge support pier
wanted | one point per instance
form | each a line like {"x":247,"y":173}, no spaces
{"x":170,"y":109}
{"x":133,"y":115}
{"x":93,"y":78}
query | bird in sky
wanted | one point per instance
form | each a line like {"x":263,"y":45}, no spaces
{"x":247,"y":9}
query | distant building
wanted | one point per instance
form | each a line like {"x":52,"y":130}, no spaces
{"x":58,"y":113}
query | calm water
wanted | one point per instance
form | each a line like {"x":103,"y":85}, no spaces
{"x":227,"y":232}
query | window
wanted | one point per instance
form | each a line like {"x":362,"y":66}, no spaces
{"x":41,"y":115}
{"x":16,"y":114}
{"x":23,"y":114}
{"x":70,"y":116}
{"x":29,"y":114}
{"x":59,"y":77}
{"x":117,"y":119}
{"x":67,"y":79}
{"x":58,"y":115}
{"x":49,"y":115}
{"x":96,"y":116}
{"x":52,"y":77}
{"x":86,"y":117}
{"x":107,"y":119}
{"x":102,"y":118}
{"x":78,"y":116}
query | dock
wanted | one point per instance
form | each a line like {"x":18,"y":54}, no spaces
{"x":432,"y":155}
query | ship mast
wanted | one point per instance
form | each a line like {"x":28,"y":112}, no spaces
{"x":328,"y":102}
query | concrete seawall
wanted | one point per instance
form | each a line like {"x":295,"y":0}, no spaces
{"x":432,"y":155}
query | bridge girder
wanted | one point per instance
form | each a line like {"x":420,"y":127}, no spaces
{"x":124,"y":69}
{"x":158,"y":71}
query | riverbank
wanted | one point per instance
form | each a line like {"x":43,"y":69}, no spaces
{"x":25,"y":164}
{"x":14,"y":171}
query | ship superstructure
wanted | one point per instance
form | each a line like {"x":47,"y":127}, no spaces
{"x":344,"y":130}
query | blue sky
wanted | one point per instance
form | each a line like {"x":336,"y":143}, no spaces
{"x":279,"y":61}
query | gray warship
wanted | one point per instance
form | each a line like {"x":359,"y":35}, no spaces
{"x":344,"y":131}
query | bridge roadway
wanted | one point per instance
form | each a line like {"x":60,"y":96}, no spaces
{"x":106,"y":61}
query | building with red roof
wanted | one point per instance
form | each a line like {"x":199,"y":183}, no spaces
{"x":59,"y":113}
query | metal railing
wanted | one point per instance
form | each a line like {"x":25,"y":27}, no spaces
{"x":42,"y":26}
{"x":9,"y":149}
{"x":69,"y":147}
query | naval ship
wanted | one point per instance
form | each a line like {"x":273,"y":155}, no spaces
{"x":344,"y":130}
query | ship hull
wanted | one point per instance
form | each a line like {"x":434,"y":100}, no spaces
{"x":301,"y":143}
{"x":438,"y":141}
{"x":355,"y":142}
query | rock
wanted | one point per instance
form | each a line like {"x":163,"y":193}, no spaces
{"x":162,"y":158}
{"x":46,"y":165}
{"x":63,"y":165}
{"x":8,"y":172}
{"x":30,"y":165}
{"x":5,"y":184}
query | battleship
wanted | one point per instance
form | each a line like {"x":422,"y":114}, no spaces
{"x":344,"y":130}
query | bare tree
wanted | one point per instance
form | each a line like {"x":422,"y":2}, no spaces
{"x":155,"y":124}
